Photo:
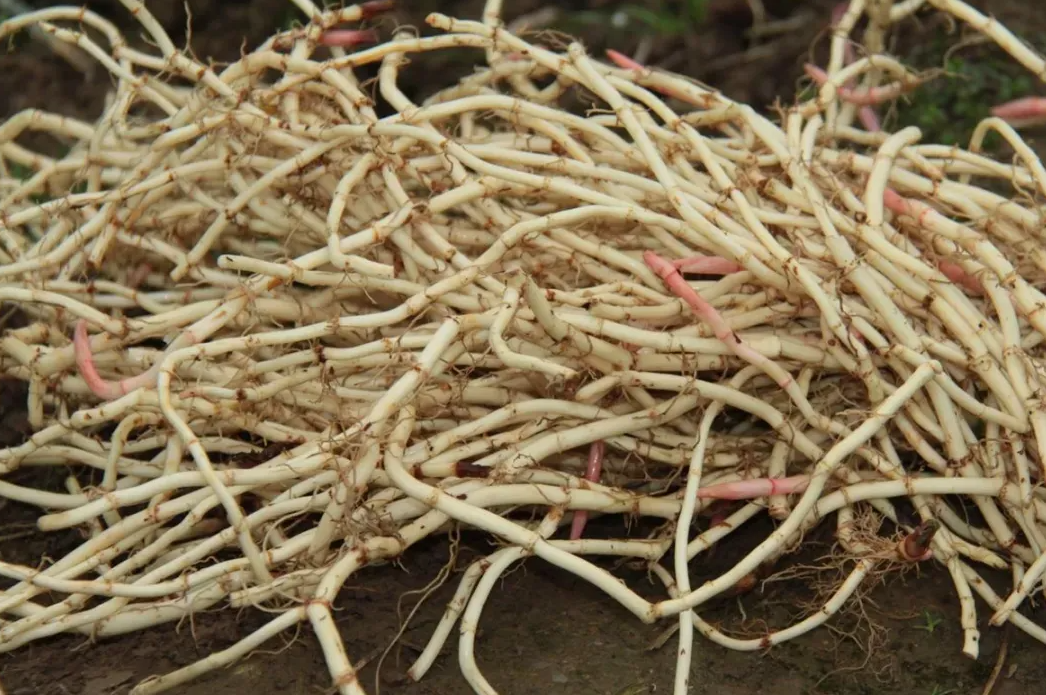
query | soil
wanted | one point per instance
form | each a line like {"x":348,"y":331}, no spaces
{"x":542,"y":630}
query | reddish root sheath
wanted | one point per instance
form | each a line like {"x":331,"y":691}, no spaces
{"x":895,"y":203}
{"x":705,"y":311}
{"x":348,"y":38}
{"x":622,"y":61}
{"x":860,"y":97}
{"x":577,"y":524}
{"x":1021,"y":110}
{"x":85,"y":363}
{"x":866,"y":114}
{"x":869,"y":119}
{"x":815,"y":73}
{"x":592,"y":473}
{"x":105,"y":390}
{"x":904,"y":206}
{"x":956,"y":274}
{"x":708,"y":265}
{"x":920,"y":211}
{"x":755,"y":488}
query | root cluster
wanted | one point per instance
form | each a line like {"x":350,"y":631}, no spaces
{"x":281,"y":324}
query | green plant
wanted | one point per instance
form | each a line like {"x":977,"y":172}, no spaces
{"x":931,"y":621}
{"x":948,"y":109}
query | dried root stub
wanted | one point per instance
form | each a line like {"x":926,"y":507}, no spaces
{"x":276,"y":337}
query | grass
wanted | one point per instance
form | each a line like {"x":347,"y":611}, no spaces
{"x":931,"y":621}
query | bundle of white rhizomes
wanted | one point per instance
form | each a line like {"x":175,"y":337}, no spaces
{"x":425,"y":320}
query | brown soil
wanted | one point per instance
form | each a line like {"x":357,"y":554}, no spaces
{"x":542,"y":630}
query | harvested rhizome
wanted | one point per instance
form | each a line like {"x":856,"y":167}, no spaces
{"x":276,"y":323}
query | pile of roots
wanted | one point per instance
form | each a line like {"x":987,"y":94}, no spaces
{"x":279,"y":325}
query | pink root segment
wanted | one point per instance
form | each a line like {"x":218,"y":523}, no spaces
{"x":956,"y":274}
{"x":592,"y":473}
{"x":1022,"y":110}
{"x":866,"y":114}
{"x":624,"y":62}
{"x":895,"y":203}
{"x":348,"y":38}
{"x":869,"y":119}
{"x":900,"y":205}
{"x":755,"y":488}
{"x":708,"y":265}
{"x":105,"y":390}
{"x":862,"y":97}
{"x":705,"y":311}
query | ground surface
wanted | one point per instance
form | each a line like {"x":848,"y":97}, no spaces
{"x":542,"y":631}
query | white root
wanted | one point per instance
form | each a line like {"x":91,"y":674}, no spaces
{"x":277,"y":328}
